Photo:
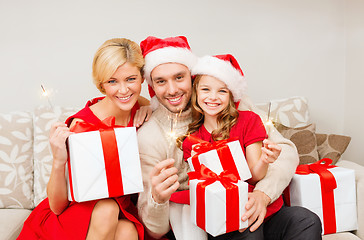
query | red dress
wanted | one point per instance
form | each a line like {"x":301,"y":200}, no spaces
{"x":74,"y":221}
{"x":249,"y":129}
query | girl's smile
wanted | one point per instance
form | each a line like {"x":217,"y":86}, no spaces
{"x":212,"y":95}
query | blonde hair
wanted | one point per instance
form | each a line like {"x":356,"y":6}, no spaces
{"x":226,"y":119}
{"x":112,"y":54}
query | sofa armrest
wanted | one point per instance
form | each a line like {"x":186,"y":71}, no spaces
{"x":359,"y":179}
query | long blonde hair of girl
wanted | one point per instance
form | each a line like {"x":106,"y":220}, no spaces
{"x":226,"y":119}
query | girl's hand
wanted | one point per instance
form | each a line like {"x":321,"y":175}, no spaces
{"x":142,"y":115}
{"x":58,"y":135}
{"x":270,"y":151}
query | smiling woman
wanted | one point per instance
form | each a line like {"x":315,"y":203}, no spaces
{"x":117,"y":70}
{"x":122,"y":91}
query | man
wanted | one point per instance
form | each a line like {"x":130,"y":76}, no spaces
{"x":167,"y":70}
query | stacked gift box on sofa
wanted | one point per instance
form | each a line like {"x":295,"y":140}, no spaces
{"x":218,"y":193}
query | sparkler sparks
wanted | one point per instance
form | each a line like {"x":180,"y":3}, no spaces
{"x":46,"y":95}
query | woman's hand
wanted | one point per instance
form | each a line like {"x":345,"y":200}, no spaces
{"x":270,"y":151}
{"x":142,"y":115}
{"x":58,"y":135}
{"x":57,"y":188}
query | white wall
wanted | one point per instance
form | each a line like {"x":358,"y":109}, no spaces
{"x":285,"y":47}
{"x":354,"y":91}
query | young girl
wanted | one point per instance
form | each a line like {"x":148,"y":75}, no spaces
{"x":217,"y":90}
{"x":117,"y":74}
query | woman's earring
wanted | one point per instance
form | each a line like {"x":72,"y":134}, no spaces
{"x":102,"y":88}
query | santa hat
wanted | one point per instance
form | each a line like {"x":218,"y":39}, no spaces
{"x":225,"y":68}
{"x":157,"y":51}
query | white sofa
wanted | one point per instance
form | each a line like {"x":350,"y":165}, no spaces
{"x":25,"y":164}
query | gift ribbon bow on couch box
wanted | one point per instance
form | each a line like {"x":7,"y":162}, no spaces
{"x":328,"y":183}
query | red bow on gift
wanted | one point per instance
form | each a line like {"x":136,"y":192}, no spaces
{"x":328,"y":182}
{"x":223,"y":151}
{"x":107,"y":123}
{"x":226,"y":177}
{"x":203,"y":146}
{"x":232,"y":196}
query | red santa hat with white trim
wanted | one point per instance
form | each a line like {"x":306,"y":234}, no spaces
{"x":157,"y":51}
{"x":225,"y":68}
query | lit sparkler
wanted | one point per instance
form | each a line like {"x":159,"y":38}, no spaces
{"x":174,"y":120}
{"x":269,"y":122}
{"x":46,"y":94}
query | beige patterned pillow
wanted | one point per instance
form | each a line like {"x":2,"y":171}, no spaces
{"x":305,"y":140}
{"x":43,"y":120}
{"x":331,"y":146}
{"x":291,"y":112}
{"x":16,"y":160}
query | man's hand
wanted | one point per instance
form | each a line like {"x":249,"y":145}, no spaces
{"x":142,"y":115}
{"x":164,"y":180}
{"x":256,"y":209}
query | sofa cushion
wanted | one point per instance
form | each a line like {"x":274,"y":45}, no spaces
{"x":305,"y":140}
{"x":291,"y":112}
{"x":12,"y":222}
{"x":16,"y":160}
{"x":331,"y":146}
{"x":43,"y":120}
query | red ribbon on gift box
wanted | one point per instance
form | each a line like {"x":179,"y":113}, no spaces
{"x":110,"y":151}
{"x":226,"y":178}
{"x":223,"y":151}
{"x":328,"y":184}
{"x":80,"y":126}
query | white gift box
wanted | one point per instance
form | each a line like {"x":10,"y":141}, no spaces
{"x":216,"y":206}
{"x":87,"y":165}
{"x":305,"y":190}
{"x":211,"y":160}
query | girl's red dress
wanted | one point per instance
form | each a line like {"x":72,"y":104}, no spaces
{"x":74,"y":221}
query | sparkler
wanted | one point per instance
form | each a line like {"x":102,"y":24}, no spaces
{"x":174,"y":120}
{"x":46,"y":94}
{"x":172,"y":135}
{"x":269,"y":122}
